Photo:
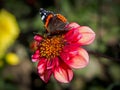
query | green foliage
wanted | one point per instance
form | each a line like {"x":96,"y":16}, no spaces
{"x":103,"y":16}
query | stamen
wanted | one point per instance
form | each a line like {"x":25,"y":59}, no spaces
{"x":51,"y":47}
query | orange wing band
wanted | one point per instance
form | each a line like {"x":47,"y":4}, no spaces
{"x":61,"y":17}
{"x":48,"y":19}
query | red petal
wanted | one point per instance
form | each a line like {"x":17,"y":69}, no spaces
{"x":88,"y":35}
{"x":64,"y":56}
{"x":69,"y":51}
{"x":41,"y":66}
{"x":46,"y":76}
{"x":72,"y":32}
{"x":73,"y":25}
{"x":73,"y":36}
{"x":35,"y":57}
{"x":43,"y":72}
{"x":52,"y":63}
{"x":63,"y":73}
{"x":38,"y":38}
{"x":80,"y":60}
{"x":71,"y":47}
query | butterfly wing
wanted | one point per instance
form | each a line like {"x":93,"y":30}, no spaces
{"x":56,"y":25}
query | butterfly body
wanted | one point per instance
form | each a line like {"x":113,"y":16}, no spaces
{"x":54,"y":23}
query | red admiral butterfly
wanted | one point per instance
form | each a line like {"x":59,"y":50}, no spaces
{"x":54,"y":23}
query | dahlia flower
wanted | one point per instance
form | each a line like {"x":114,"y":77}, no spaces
{"x":58,"y":54}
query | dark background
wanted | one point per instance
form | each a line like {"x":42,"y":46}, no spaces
{"x":103,"y":72}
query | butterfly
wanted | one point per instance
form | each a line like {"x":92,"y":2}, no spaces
{"x":54,"y":23}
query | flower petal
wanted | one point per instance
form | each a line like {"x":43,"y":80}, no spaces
{"x":64,"y":56}
{"x":88,"y":35}
{"x":80,"y":60}
{"x":69,"y":51}
{"x":63,"y":73}
{"x":41,"y":66}
{"x":46,"y":76}
{"x":38,"y":38}
{"x":43,"y":72}
{"x":73,"y":36}
{"x":71,"y":47}
{"x":73,"y":25}
{"x":52,"y":63}
{"x":36,"y":56}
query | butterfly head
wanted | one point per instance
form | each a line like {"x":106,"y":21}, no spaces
{"x":44,"y":14}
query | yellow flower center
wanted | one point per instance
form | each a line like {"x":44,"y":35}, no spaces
{"x":51,"y":47}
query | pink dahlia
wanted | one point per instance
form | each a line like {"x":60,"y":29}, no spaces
{"x":58,"y":54}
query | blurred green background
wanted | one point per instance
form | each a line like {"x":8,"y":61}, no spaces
{"x":20,"y":19}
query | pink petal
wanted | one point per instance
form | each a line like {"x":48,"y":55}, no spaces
{"x":88,"y":35}
{"x":71,"y":47}
{"x":46,"y":76}
{"x":69,"y":51}
{"x":52,"y":63}
{"x":38,"y":38}
{"x":43,"y":72}
{"x":69,"y":34}
{"x":63,"y":73}
{"x":73,"y":36}
{"x":73,"y":25}
{"x":72,"y":33}
{"x":41,"y":66}
{"x":36,"y":56}
{"x":80,"y":60}
{"x":64,"y":56}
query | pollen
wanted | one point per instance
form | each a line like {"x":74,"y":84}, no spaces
{"x":51,"y":47}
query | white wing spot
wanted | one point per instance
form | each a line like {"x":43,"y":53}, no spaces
{"x":43,"y":17}
{"x":44,"y":13}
